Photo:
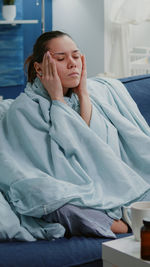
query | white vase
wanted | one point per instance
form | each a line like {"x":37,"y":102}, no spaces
{"x":9,"y":12}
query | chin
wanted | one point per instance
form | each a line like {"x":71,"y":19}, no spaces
{"x":73,"y":84}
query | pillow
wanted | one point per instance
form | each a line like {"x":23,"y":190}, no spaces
{"x":10,"y":227}
{"x":4,"y":106}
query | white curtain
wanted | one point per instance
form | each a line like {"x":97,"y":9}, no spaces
{"x":122,"y":14}
{"x":130,"y":11}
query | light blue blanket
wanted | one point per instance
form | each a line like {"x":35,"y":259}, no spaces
{"x":50,"y":157}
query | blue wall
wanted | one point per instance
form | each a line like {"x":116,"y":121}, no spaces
{"x":30,"y":34}
{"x":11,"y":53}
{"x":32,"y":31}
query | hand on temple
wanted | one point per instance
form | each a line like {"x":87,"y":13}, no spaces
{"x":81,"y":89}
{"x":82,"y":93}
{"x":50,"y":78}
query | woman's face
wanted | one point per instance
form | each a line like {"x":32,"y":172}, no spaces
{"x":68,"y":61}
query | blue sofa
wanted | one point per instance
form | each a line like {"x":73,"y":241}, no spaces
{"x":76,"y":251}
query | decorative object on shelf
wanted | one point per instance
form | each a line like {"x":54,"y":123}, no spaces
{"x":37,"y":3}
{"x":9,"y":10}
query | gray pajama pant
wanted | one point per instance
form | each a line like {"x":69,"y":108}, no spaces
{"x":81,"y":221}
{"x":85,"y":221}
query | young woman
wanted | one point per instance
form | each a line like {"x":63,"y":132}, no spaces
{"x":61,"y":68}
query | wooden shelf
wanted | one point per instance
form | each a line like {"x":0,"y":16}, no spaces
{"x":14,"y":22}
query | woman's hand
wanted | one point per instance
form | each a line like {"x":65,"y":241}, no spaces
{"x":81,"y":89}
{"x":82,"y":93}
{"x":50,"y":78}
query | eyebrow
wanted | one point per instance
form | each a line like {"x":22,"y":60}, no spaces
{"x":63,"y":53}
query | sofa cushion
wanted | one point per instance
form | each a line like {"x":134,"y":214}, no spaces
{"x":60,"y":252}
{"x":139,"y":89}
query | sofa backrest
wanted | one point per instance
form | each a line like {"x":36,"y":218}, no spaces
{"x":139,"y":89}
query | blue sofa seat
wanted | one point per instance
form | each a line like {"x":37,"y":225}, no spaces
{"x":63,"y":252}
{"x":76,"y":251}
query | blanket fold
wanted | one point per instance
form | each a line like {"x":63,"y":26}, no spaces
{"x":50,"y":157}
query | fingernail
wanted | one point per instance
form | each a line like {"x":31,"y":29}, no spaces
{"x":48,"y":53}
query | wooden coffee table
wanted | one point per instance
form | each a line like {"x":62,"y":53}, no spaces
{"x":123,"y":252}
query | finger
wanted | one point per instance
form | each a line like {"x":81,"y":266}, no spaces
{"x":50,"y":60}
{"x":84,"y":71}
{"x":46,"y":65}
{"x":53,"y":67}
{"x":83,"y":62}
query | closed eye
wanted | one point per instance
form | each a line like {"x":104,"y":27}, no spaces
{"x":76,"y":56}
{"x":60,"y":59}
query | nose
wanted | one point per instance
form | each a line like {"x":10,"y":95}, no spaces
{"x":71,"y":63}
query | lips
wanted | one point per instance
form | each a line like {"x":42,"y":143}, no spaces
{"x":74,"y":74}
